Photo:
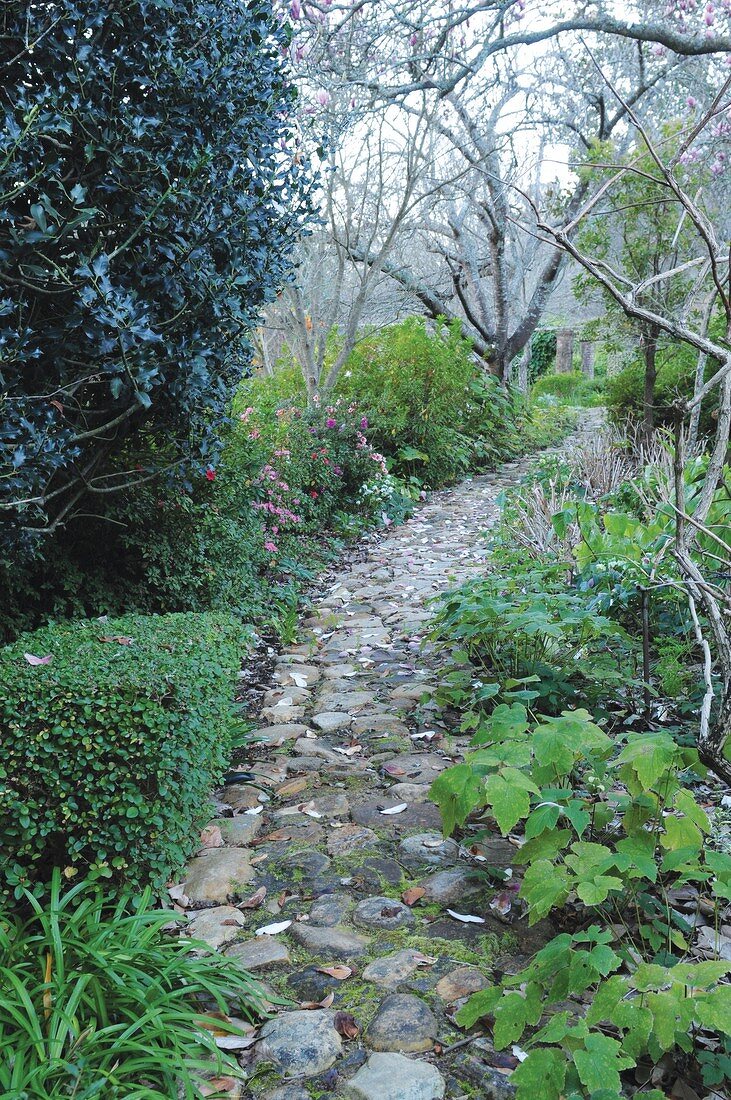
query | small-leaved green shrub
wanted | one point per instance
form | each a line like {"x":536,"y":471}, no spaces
{"x":99,"y":1001}
{"x":573,"y":388}
{"x":113,"y":734}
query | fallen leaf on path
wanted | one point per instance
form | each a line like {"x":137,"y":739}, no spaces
{"x":345,"y":1025}
{"x":324,"y":1003}
{"x":298,"y":679}
{"x":338,"y":972}
{"x":292,"y":786}
{"x":412,"y":895}
{"x":395,"y":809}
{"x":32,"y":660}
{"x":352,"y":751}
{"x":120,"y":639}
{"x":211,"y":837}
{"x":255,"y":900}
{"x":394,"y":770}
{"x":177,"y":893}
{"x":308,"y":808}
{"x":502,"y":903}
{"x":466,"y":918}
{"x":277,"y":835}
{"x":254,"y":811}
{"x":214,"y":1086}
{"x":273,"y":929}
{"x":260,"y":858}
{"x":235,"y":1042}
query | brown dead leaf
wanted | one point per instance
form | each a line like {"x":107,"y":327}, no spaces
{"x":211,"y":837}
{"x":390,"y":911}
{"x":277,"y":835}
{"x":255,"y":900}
{"x":339,"y":972}
{"x":260,"y":858}
{"x":324,"y":1003}
{"x":120,"y":639}
{"x":283,"y":897}
{"x":292,"y":786}
{"x":412,"y":895}
{"x":345,"y":1025}
{"x":214,"y":1086}
{"x":394,"y":770}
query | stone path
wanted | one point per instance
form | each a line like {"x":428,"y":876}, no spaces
{"x":349,"y":732}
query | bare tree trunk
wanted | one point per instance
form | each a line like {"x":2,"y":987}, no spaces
{"x":649,"y":350}
{"x":700,"y":374}
{"x":523,"y":369}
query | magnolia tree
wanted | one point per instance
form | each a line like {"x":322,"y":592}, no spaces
{"x":493,"y":84}
{"x":373,"y":183}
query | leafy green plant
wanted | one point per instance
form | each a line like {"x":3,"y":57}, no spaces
{"x":528,"y":628}
{"x":100,"y":1001}
{"x":542,"y":352}
{"x":114,"y":733}
{"x":432,"y":410}
{"x":615,"y":833}
{"x":571,"y":389}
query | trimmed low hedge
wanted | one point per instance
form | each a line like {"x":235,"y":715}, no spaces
{"x":111,"y":748}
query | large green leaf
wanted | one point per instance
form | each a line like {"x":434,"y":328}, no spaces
{"x":544,"y":887}
{"x":541,"y":1075}
{"x":457,"y":792}
{"x":600,"y":1063}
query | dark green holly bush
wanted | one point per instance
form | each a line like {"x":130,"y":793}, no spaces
{"x":148,"y":209}
{"x":112,"y":743}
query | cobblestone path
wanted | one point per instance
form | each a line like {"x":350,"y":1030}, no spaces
{"x":344,"y":829}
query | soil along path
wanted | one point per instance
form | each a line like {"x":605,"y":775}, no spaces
{"x":344,"y":845}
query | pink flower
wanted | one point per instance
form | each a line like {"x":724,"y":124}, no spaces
{"x":330,"y":423}
{"x":246,"y":413}
{"x":364,"y":423}
{"x":255,"y":434}
{"x":210,"y":474}
{"x":271,"y":547}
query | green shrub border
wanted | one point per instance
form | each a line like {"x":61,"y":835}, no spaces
{"x":111,"y":747}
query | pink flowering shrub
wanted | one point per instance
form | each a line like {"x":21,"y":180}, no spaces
{"x":320,"y":460}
